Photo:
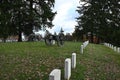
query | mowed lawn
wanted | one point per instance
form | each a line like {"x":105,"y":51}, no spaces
{"x":35,"y":61}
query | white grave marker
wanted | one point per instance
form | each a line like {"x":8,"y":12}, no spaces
{"x":83,"y":45}
{"x":81,"y":49}
{"x":67,"y":68}
{"x":112,"y":47}
{"x":53,"y":42}
{"x":115,"y":49}
{"x":55,"y":75}
{"x":73,"y":60}
{"x":118,"y":49}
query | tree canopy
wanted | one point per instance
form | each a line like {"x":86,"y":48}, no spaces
{"x":17,"y":16}
{"x":101,"y":19}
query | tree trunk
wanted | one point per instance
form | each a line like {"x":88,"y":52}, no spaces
{"x":20,"y":36}
{"x":20,"y":30}
{"x":98,"y":40}
{"x":31,"y":17}
{"x":91,"y":37}
{"x":4,"y":40}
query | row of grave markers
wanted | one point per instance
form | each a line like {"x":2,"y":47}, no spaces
{"x":83,"y":46}
{"x":69,"y":63}
{"x":115,"y":48}
{"x":56,"y":73}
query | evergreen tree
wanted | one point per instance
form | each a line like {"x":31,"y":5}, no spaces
{"x":78,"y":33}
{"x":5,"y":19}
{"x":26,"y":15}
{"x":101,"y":18}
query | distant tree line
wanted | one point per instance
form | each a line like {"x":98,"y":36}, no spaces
{"x":17,"y":16}
{"x":99,"y":18}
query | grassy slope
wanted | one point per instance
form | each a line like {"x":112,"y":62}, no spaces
{"x":35,"y":60}
{"x":101,"y":63}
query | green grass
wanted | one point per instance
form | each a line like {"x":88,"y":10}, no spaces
{"x":35,"y":61}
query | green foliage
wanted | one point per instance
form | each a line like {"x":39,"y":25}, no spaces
{"x":5,"y":17}
{"x":101,"y":18}
{"x":78,"y":34}
{"x":25,"y":16}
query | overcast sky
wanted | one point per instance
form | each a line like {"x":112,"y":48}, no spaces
{"x":66,"y":14}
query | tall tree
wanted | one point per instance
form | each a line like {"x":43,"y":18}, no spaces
{"x":100,"y":18}
{"x":38,"y":15}
{"x":5,"y":19}
{"x":26,"y":15}
{"x":78,"y":33}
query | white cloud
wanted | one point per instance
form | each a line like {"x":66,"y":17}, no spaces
{"x":66,"y":14}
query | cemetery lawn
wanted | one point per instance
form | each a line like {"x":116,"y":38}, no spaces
{"x":35,"y":61}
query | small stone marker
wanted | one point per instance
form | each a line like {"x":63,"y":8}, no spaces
{"x":83,"y":45}
{"x":67,"y":69}
{"x":118,"y":50}
{"x":108,"y":45}
{"x":53,"y":42}
{"x":112,"y":47}
{"x":81,"y":49}
{"x":55,"y":75}
{"x":115,"y":49}
{"x":73,"y":60}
